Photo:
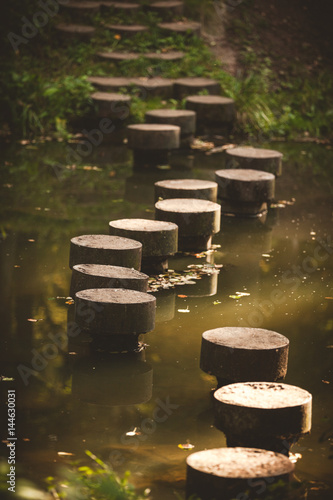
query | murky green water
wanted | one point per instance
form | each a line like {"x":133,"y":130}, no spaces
{"x":284,"y":263}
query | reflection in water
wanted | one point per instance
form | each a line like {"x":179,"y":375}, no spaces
{"x":283,"y":263}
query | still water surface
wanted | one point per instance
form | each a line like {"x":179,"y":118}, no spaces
{"x":76,"y":401}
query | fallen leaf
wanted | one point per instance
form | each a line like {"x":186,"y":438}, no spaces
{"x":325,"y":381}
{"x":216,"y":302}
{"x":182,"y":296}
{"x":186,"y":446}
{"x":65,"y":454}
{"x":183,"y":310}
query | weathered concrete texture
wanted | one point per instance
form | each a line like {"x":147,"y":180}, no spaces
{"x":165,"y":56}
{"x":186,"y":188}
{"x":237,"y":354}
{"x":111,"y":105}
{"x":126,"y":29}
{"x":268,"y":160}
{"x":183,"y":27}
{"x":255,"y":412}
{"x":75,"y":31}
{"x":86,"y":276}
{"x":106,"y":250}
{"x":158,"y":238}
{"x":115,"y":311}
{"x":198,"y":220}
{"x":167,"y":9}
{"x":212,"y":110}
{"x":229,"y":473}
{"x":184,"y":87}
{"x":118,"y":56}
{"x":182,"y":118}
{"x":153,"y":136}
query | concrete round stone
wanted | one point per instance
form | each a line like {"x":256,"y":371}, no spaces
{"x":184,"y":87}
{"x":167,"y":9}
{"x":237,"y":354}
{"x":259,"y":413}
{"x":106,"y":250}
{"x":127,"y":29}
{"x":183,"y":27}
{"x":245,"y":190}
{"x":76,"y":30}
{"x":229,"y":473}
{"x":86,"y":276}
{"x":111,"y":105}
{"x":115,"y":311}
{"x":198,"y":220}
{"x":186,"y":188}
{"x":165,"y":56}
{"x":182,"y":118}
{"x":106,"y":83}
{"x":268,"y":160}
{"x":118,"y":56}
{"x":127,"y":8}
{"x":154,"y":87}
{"x":212,"y":109}
{"x":153,"y":136}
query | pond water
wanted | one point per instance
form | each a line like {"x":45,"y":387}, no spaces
{"x":75,"y":401}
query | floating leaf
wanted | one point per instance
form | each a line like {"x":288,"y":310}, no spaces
{"x":182,"y":296}
{"x":187,"y":446}
{"x":65,"y":454}
{"x":184,"y":310}
{"x":325,"y":382}
{"x":134,"y":432}
{"x":216,"y":302}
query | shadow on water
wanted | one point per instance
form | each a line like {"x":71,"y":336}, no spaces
{"x":276,"y":274}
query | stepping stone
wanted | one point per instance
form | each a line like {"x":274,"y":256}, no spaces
{"x":154,"y":87}
{"x":80,"y":10}
{"x":127,"y":29}
{"x":268,"y":160}
{"x":126,"y":8}
{"x":235,"y":354}
{"x":263,"y":414}
{"x":167,"y":9}
{"x":182,"y":118}
{"x":94,"y":379}
{"x":151,"y":143}
{"x":116,"y":315}
{"x":112,"y":105}
{"x":76,"y":31}
{"x":112,"y":84}
{"x":230,"y":473}
{"x":86,"y":276}
{"x":164,"y":56}
{"x":118,"y":56}
{"x":198,"y":221}
{"x":245,"y":191}
{"x":213,"y":111}
{"x":193,"y":85}
{"x":182,"y":27}
{"x":106,"y":250}
{"x":159,"y":240}
{"x":186,"y":188}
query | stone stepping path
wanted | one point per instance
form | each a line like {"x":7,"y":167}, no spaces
{"x":106,"y":250}
{"x":133,"y":56}
{"x":75,"y":31}
{"x":267,"y":413}
{"x":186,"y":188}
{"x":182,"y":118}
{"x":268,"y":160}
{"x":155,"y":87}
{"x":118,"y":56}
{"x":152,"y":142}
{"x":198,"y":220}
{"x":165,"y":56}
{"x":213,"y":111}
{"x":86,"y":276}
{"x":159,"y":240}
{"x":182,"y":27}
{"x":127,"y":29}
{"x":111,"y":105}
{"x":227,"y":473}
{"x":235,"y":354}
{"x":167,"y":9}
{"x":245,"y":191}
{"x":184,"y":87}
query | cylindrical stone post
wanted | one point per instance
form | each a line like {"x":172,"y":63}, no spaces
{"x":186,"y":188}
{"x":167,"y":10}
{"x":198,"y":221}
{"x":182,"y":118}
{"x":190,"y":85}
{"x":215,"y":114}
{"x":111,"y":105}
{"x":106,"y":250}
{"x":237,"y":354}
{"x":190,"y":28}
{"x":159,"y":240}
{"x":267,"y":160}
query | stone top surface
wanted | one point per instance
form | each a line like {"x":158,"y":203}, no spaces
{"x":115,"y":296}
{"x":126,"y":27}
{"x":109,"y":271}
{"x":126,"y":5}
{"x":240,"y":462}
{"x":153,"y":127}
{"x":186,"y":184}
{"x":181,"y":26}
{"x":167,"y":4}
{"x":167,"y":56}
{"x":246,"y":338}
{"x":145,"y":225}
{"x":244,"y":175}
{"x":106,"y":242}
{"x":248,"y":152}
{"x":209,"y":99}
{"x":187,"y":205}
{"x":110,"y":96}
{"x":119,"y":55}
{"x":170,"y":113}
{"x":116,"y":81}
{"x":268,"y":395}
{"x":152,"y":82}
{"x":196,"y":81}
{"x":75,"y":28}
